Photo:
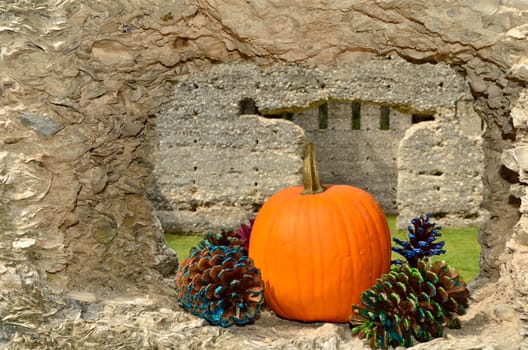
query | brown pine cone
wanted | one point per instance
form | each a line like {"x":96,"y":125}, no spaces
{"x":221,"y":285}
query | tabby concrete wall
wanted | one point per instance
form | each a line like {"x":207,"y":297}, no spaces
{"x":440,"y":169}
{"x":361,"y":154}
{"x":214,"y":171}
{"x":215,"y":166}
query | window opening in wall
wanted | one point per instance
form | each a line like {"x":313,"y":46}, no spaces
{"x":418,"y":118}
{"x":356,"y":116}
{"x":323,"y":116}
{"x":384,"y":118}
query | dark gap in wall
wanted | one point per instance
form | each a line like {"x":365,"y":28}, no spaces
{"x":509,"y":175}
{"x":356,"y":116}
{"x":287,"y":116}
{"x":273,"y":116}
{"x":255,"y":207}
{"x":418,"y":118}
{"x":472,"y":215}
{"x":384,"y":118}
{"x":435,"y":172}
{"x":323,"y":116}
{"x":247,"y":106}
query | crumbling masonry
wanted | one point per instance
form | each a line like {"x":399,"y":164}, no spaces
{"x":231,"y":138}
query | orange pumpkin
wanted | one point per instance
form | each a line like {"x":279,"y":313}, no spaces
{"x":318,"y":248}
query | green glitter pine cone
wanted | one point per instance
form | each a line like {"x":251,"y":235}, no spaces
{"x":410,"y":303}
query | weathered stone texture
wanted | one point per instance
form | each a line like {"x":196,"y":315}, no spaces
{"x":205,"y":175}
{"x":212,"y":172}
{"x":75,"y":218}
{"x":390,"y":166}
{"x":440,"y":171}
{"x":365,"y":157}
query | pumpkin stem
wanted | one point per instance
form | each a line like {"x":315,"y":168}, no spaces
{"x":312,"y":183}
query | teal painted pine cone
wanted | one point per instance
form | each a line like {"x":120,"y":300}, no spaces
{"x":410,"y":303}
{"x":221,"y":285}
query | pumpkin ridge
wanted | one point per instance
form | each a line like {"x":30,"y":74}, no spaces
{"x":256,"y":254}
{"x":362,"y":209}
{"x":351,"y":235}
{"x":322,"y":260}
{"x":361,"y":236}
{"x":310,"y":204}
{"x":376,"y":229}
{"x":342,"y":248}
{"x":380,"y":227}
{"x":285,"y":197}
{"x":298,"y":236}
{"x":296,"y":204}
{"x":364,"y":232}
{"x":373,"y":235}
{"x":304,"y":239}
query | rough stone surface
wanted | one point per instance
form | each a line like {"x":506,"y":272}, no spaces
{"x":104,"y":69}
{"x":215,"y":170}
{"x":440,"y":170}
{"x":363,"y":155}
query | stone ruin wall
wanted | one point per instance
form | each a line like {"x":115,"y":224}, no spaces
{"x":440,"y":168}
{"x":83,"y":263}
{"x":358,"y":154}
{"x":217,"y":160}
{"x":410,"y":169}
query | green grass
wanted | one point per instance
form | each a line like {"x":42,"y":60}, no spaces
{"x":462,"y":248}
{"x":182,"y":244}
{"x":461,"y":245}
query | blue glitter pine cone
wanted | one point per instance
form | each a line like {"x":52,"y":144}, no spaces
{"x":221,"y":285}
{"x":422,"y":235}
